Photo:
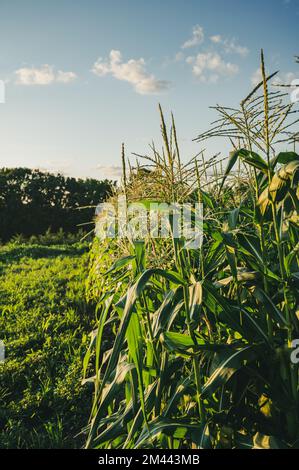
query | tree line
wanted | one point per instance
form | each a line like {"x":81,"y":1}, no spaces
{"x":32,"y":202}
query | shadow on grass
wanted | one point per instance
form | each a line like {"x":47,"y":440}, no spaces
{"x":14,"y":253}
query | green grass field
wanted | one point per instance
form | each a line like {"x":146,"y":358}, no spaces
{"x":44,"y":323}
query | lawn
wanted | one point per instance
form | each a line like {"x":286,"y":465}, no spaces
{"x":44,"y":323}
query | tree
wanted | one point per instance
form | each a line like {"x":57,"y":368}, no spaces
{"x":32,"y":201}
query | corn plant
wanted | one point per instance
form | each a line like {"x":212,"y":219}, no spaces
{"x":200,"y":340}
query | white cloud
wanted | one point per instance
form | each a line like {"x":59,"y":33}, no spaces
{"x":65,"y":77}
{"x":196,"y":39}
{"x":110,"y":171}
{"x":210,"y":66}
{"x":230,"y":46}
{"x":283,"y":78}
{"x":216,"y":39}
{"x":133,"y":71}
{"x":178,"y":56}
{"x":256,"y":77}
{"x":56,"y":166}
{"x":34,"y":76}
{"x":45,"y":75}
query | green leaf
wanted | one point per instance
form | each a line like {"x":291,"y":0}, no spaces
{"x":176,"y":428}
{"x":181,"y":342}
{"x":111,"y":390}
{"x":116,"y":426}
{"x":120,"y":263}
{"x":177,"y":341}
{"x":135,"y":341}
{"x":279,"y":185}
{"x":195,"y":303}
{"x":207,"y":200}
{"x":252,"y":158}
{"x":269,"y":306}
{"x":284,"y":157}
{"x":139,"y":251}
{"x":165,"y":315}
{"x":229,"y":363}
{"x":239,"y":319}
{"x":233,"y":218}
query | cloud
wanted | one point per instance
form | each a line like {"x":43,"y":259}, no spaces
{"x":210,"y":66}
{"x":230,"y":46}
{"x":56,"y":166}
{"x":133,"y":71}
{"x":110,"y":171}
{"x":217,"y":39}
{"x":34,"y":76}
{"x":196,"y":39}
{"x":284,"y":78}
{"x":65,"y":77}
{"x":178,"y":56}
{"x":45,"y":75}
{"x":256,"y":77}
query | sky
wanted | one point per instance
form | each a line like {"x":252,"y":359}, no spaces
{"x":83,"y":76}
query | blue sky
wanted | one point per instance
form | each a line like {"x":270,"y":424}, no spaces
{"x":83,"y":76}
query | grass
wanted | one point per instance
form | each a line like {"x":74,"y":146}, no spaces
{"x":43,"y":323}
{"x":202,"y":338}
